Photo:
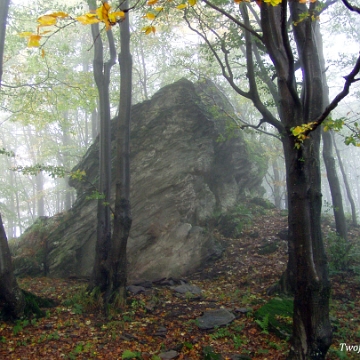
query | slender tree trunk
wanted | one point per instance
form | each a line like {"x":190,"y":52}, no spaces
{"x":335,"y":190}
{"x":66,"y":143}
{"x":40,"y":205}
{"x":122,"y":215}
{"x":94,"y":125}
{"x":4,"y":8}
{"x":328,"y":157}
{"x":346,"y":183}
{"x":277,"y":188}
{"x":102,"y":272}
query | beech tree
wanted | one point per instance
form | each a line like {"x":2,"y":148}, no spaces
{"x":102,"y":272}
{"x":263,"y":33}
{"x":110,"y":264}
{"x":110,"y":267}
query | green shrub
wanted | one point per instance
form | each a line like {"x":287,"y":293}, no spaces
{"x":338,"y":252}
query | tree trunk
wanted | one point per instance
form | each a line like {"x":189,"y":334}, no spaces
{"x":312,"y":333}
{"x":277,"y":187}
{"x":311,"y":326}
{"x":347,"y":186}
{"x":337,"y":202}
{"x":10,"y":293}
{"x":65,"y":160}
{"x":4,"y":9}
{"x":102,"y":272}
{"x":40,"y":204}
{"x":122,"y":215}
{"x":328,"y":157}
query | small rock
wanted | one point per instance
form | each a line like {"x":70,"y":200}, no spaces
{"x":268,"y":248}
{"x":186,"y":288}
{"x":136,"y":289}
{"x":172,"y":354}
{"x":161,"y":331}
{"x":240,"y":357}
{"x":164,"y":282}
{"x":213,"y":318}
{"x":144,"y":283}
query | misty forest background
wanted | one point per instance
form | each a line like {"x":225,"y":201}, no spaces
{"x":50,"y":116}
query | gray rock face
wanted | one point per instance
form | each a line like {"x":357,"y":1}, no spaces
{"x":180,"y":175}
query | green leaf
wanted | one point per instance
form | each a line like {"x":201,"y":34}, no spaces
{"x":127,"y":354}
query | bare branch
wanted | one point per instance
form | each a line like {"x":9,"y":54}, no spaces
{"x":349,"y":80}
{"x":351,"y":7}
{"x":236,"y":21}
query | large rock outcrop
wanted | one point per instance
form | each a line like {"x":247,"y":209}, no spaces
{"x":181,"y":175}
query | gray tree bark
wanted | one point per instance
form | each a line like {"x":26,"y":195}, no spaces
{"x":102,"y":273}
{"x":347,"y":185}
{"x":329,"y":160}
{"x":122,"y":215}
{"x":10,"y":293}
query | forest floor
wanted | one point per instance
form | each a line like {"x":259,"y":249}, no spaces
{"x":159,"y":320}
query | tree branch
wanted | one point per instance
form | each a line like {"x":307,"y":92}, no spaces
{"x":233,"y":19}
{"x":349,"y":80}
{"x":351,"y":7}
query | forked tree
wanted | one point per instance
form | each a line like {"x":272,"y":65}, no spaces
{"x":262,"y":33}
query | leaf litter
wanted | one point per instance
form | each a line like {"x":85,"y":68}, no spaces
{"x":162,"y":322}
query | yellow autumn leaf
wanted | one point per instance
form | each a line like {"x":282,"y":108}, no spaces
{"x":237,"y":1}
{"x":147,"y":30}
{"x":150,"y":16}
{"x":326,"y":128}
{"x":115,"y":16}
{"x":152,"y":2}
{"x":181,"y":6}
{"x":103,"y":14}
{"x":273,"y":2}
{"x":47,"y":20}
{"x":59,"y":14}
{"x":26,"y":34}
{"x":297,"y":131}
{"x":43,"y":53}
{"x":159,"y":8}
{"x":153,"y":29}
{"x":103,"y":11}
{"x":34,"y":40}
{"x":88,"y":19}
{"x":192,"y":2}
